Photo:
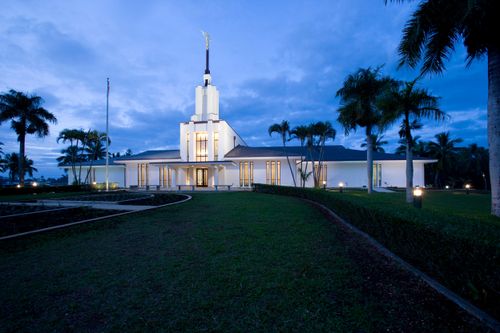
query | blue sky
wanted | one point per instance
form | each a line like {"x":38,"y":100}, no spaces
{"x":271,"y":60}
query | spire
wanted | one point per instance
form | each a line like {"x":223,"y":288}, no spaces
{"x":206,"y":77}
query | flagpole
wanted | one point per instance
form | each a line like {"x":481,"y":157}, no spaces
{"x":107,"y":136}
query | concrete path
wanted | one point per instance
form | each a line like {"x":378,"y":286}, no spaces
{"x":93,"y":204}
{"x":382,"y":190}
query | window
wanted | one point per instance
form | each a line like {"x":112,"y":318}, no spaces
{"x":187,"y":146}
{"x":323,"y":173}
{"x":273,"y":172}
{"x":246,"y":173}
{"x":165,"y":177}
{"x":142,"y":174}
{"x":216,"y":146}
{"x":377,"y":175}
{"x":201,"y":147}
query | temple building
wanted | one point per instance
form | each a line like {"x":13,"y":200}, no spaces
{"x":211,"y":154}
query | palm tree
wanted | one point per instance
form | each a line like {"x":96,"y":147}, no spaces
{"x":431,"y":34}
{"x":283,"y":130}
{"x":2,"y":160}
{"x":95,"y":148}
{"x":359,"y":98}
{"x":320,"y":133}
{"x":378,"y":142}
{"x":301,"y":133}
{"x":12,"y":165}
{"x":411,"y":104}
{"x":445,"y":152}
{"x":418,"y":147}
{"x":27,"y":116}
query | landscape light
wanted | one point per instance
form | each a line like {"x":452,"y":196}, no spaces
{"x":417,"y":197}
{"x":467,"y":189}
{"x":447,"y":187}
{"x":324,"y":184}
{"x":34,"y":184}
{"x":341,"y":187}
{"x":18,"y":185}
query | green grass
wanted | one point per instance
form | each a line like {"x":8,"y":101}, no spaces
{"x":220,"y":262}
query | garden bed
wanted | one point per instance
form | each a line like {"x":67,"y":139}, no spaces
{"x":43,"y":219}
{"x":7,"y":209}
{"x":109,"y":197}
{"x":156,"y":199}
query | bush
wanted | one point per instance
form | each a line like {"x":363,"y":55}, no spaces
{"x":459,"y":253}
{"x":43,"y":189}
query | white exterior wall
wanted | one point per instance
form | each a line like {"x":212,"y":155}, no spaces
{"x":116,"y":174}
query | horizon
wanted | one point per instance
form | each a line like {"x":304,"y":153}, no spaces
{"x":64,"y":53}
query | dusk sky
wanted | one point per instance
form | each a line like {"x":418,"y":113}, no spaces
{"x":270,"y":61}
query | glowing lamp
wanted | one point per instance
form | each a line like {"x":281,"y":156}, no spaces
{"x":417,"y":197}
{"x":34,"y":184}
{"x":467,"y":188}
{"x":18,"y":185}
{"x":447,"y":187}
{"x":324,"y":184}
{"x":341,"y":187}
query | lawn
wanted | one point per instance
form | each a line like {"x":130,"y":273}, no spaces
{"x":220,"y":262}
{"x":39,"y":196}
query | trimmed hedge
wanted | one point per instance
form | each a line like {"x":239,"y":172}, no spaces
{"x":43,"y":189}
{"x":467,"y":264}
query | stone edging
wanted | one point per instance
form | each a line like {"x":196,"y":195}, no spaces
{"x":188,"y":197}
{"x":450,"y":295}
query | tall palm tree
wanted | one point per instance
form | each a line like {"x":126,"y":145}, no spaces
{"x":418,"y":147}
{"x":27,"y":116}
{"x":445,"y":151}
{"x":95,"y":148}
{"x":2,"y":160}
{"x":321,"y":132}
{"x":431,"y":34}
{"x":411,"y":105}
{"x":377,"y":141}
{"x":301,"y":133}
{"x":359,"y":98}
{"x":283,"y":130}
{"x":12,"y":165}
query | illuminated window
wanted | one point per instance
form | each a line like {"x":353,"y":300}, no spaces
{"x":142,"y":174}
{"x":273,"y":172}
{"x":201,"y":147}
{"x":216,"y":146}
{"x":246,"y":173}
{"x":165,"y":177}
{"x":187,"y":146}
{"x":377,"y":175}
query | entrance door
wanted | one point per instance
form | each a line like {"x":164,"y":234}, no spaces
{"x":201,"y":177}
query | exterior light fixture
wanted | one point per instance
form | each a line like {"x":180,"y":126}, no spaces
{"x":34,"y":184}
{"x":94,"y":183}
{"x":324,"y":184}
{"x":417,"y":197}
{"x":447,"y":187}
{"x":341,"y":187}
{"x":467,"y":189}
{"x":18,"y":185}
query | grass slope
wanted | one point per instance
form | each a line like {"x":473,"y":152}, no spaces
{"x":225,"y":262}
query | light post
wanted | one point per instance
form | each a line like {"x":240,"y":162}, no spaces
{"x":467,"y":189}
{"x":341,"y":187}
{"x":417,"y":197}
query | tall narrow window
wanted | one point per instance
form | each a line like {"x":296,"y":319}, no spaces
{"x":201,"y":147}
{"x":142,"y":174}
{"x":246,"y":173}
{"x":165,"y":177}
{"x":273,"y":172}
{"x":216,"y":146}
{"x":187,"y":146}
{"x":377,"y":175}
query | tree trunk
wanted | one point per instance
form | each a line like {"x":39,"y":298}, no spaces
{"x":494,"y":126}
{"x":369,"y":159}
{"x":22,"y":139}
{"x":289,"y":165}
{"x":409,"y":171}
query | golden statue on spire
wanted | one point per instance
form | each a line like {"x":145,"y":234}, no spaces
{"x":207,"y":38}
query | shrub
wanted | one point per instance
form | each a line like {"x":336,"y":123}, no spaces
{"x":462,"y":254}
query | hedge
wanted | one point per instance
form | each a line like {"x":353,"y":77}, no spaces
{"x":466,"y":264}
{"x":43,"y":189}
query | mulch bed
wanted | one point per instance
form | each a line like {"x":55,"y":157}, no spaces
{"x":6,"y":209}
{"x":18,"y":224}
{"x":402,"y":292}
